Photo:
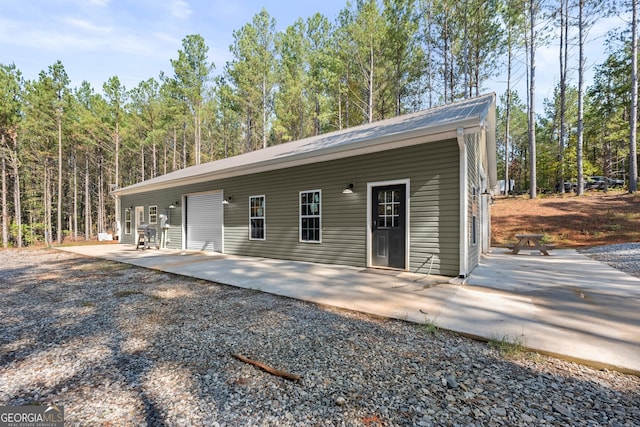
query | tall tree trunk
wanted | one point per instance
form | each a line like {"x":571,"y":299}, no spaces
{"x":580,"y":135}
{"x":184,"y":145}
{"x":633,"y":156}
{"x":249,"y":137}
{"x":532,"y":113}
{"x":101,"y":202}
{"x":48,"y":204}
{"x":174,"y":164}
{"x":445,"y":57}
{"x":142,"y":171}
{"x":316,"y":116}
{"x":17,"y":197}
{"x":465,"y":54}
{"x":87,"y":200}
{"x":339,"y":106}
{"x":154,"y":157}
{"x":75,"y":200}
{"x":5,"y":212}
{"x":59,"y":213}
{"x":164,"y":156}
{"x":507,"y":127}
{"x":117,"y":153}
{"x":45,"y":201}
{"x":197,"y":135}
{"x":370,"y":88}
{"x":564,"y":49}
{"x":264,"y":114}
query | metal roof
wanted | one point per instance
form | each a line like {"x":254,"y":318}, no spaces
{"x":424,"y":126}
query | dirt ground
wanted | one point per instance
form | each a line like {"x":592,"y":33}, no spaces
{"x":569,"y":221}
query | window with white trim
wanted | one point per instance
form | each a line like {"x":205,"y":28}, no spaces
{"x":474,"y":230}
{"x":127,"y":221}
{"x":474,"y":216}
{"x":153,"y":214}
{"x":257,"y":218}
{"x":310,"y":216}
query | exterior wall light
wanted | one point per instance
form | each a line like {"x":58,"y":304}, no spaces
{"x":173,"y":205}
{"x":227,"y":200}
{"x":348,"y":189}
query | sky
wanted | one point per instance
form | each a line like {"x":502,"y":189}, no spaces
{"x":136,"y":39}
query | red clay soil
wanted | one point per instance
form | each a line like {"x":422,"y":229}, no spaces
{"x":569,"y":221}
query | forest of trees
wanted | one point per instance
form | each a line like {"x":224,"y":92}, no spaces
{"x":63,"y":149}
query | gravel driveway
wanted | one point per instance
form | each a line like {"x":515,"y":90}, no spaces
{"x":120,"y":345}
{"x":623,"y":256}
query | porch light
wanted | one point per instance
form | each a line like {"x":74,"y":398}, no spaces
{"x":227,"y":200}
{"x":348,"y":189}
{"x":173,"y":205}
{"x":488,"y":194}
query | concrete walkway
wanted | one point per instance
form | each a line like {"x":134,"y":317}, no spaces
{"x":565,"y":305}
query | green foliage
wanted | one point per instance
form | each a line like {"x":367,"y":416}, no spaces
{"x":430,"y":327}
{"x":252,"y":74}
{"x":32,"y":234}
{"x":377,"y":59}
{"x":508,"y":347}
{"x":10,"y":100}
{"x":192,"y":73}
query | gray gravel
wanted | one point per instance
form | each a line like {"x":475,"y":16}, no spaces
{"x":121,"y":345}
{"x":624,"y":256}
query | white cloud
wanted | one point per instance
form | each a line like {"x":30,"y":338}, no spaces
{"x":84,"y":25}
{"x":179,"y":9}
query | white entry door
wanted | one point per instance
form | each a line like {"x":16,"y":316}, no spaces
{"x":139,"y":218}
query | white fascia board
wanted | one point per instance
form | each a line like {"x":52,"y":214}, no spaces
{"x":366,"y":146}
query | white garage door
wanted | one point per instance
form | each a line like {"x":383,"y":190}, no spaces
{"x":204,"y":222}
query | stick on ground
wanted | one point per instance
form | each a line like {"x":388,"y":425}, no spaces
{"x":267,"y":368}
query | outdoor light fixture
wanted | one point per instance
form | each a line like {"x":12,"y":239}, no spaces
{"x":348,"y":189}
{"x":488,"y":194}
{"x":227,"y":200}
{"x":173,"y":205}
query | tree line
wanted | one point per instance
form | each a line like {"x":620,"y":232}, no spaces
{"x":64,"y":149}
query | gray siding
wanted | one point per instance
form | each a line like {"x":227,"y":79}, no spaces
{"x":434,"y":207}
{"x":161,"y":199}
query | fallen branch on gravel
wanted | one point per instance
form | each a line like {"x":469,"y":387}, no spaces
{"x":267,"y":368}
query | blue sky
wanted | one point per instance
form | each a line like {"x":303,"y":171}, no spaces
{"x":96,"y":39}
{"x":135,"y":40}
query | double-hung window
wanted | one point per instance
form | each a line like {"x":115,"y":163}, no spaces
{"x":127,"y":221}
{"x":310,"y":216}
{"x":257,"y":216}
{"x":153,"y":214}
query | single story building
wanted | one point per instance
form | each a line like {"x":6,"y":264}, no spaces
{"x":409,"y":193}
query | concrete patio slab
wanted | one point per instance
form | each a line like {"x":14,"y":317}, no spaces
{"x":565,"y":304}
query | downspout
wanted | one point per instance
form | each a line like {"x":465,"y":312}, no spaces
{"x":486,"y":200}
{"x":118,"y":219}
{"x":464,"y":206}
{"x":485,"y":222}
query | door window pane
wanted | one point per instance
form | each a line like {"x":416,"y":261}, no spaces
{"x":389,"y":208}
